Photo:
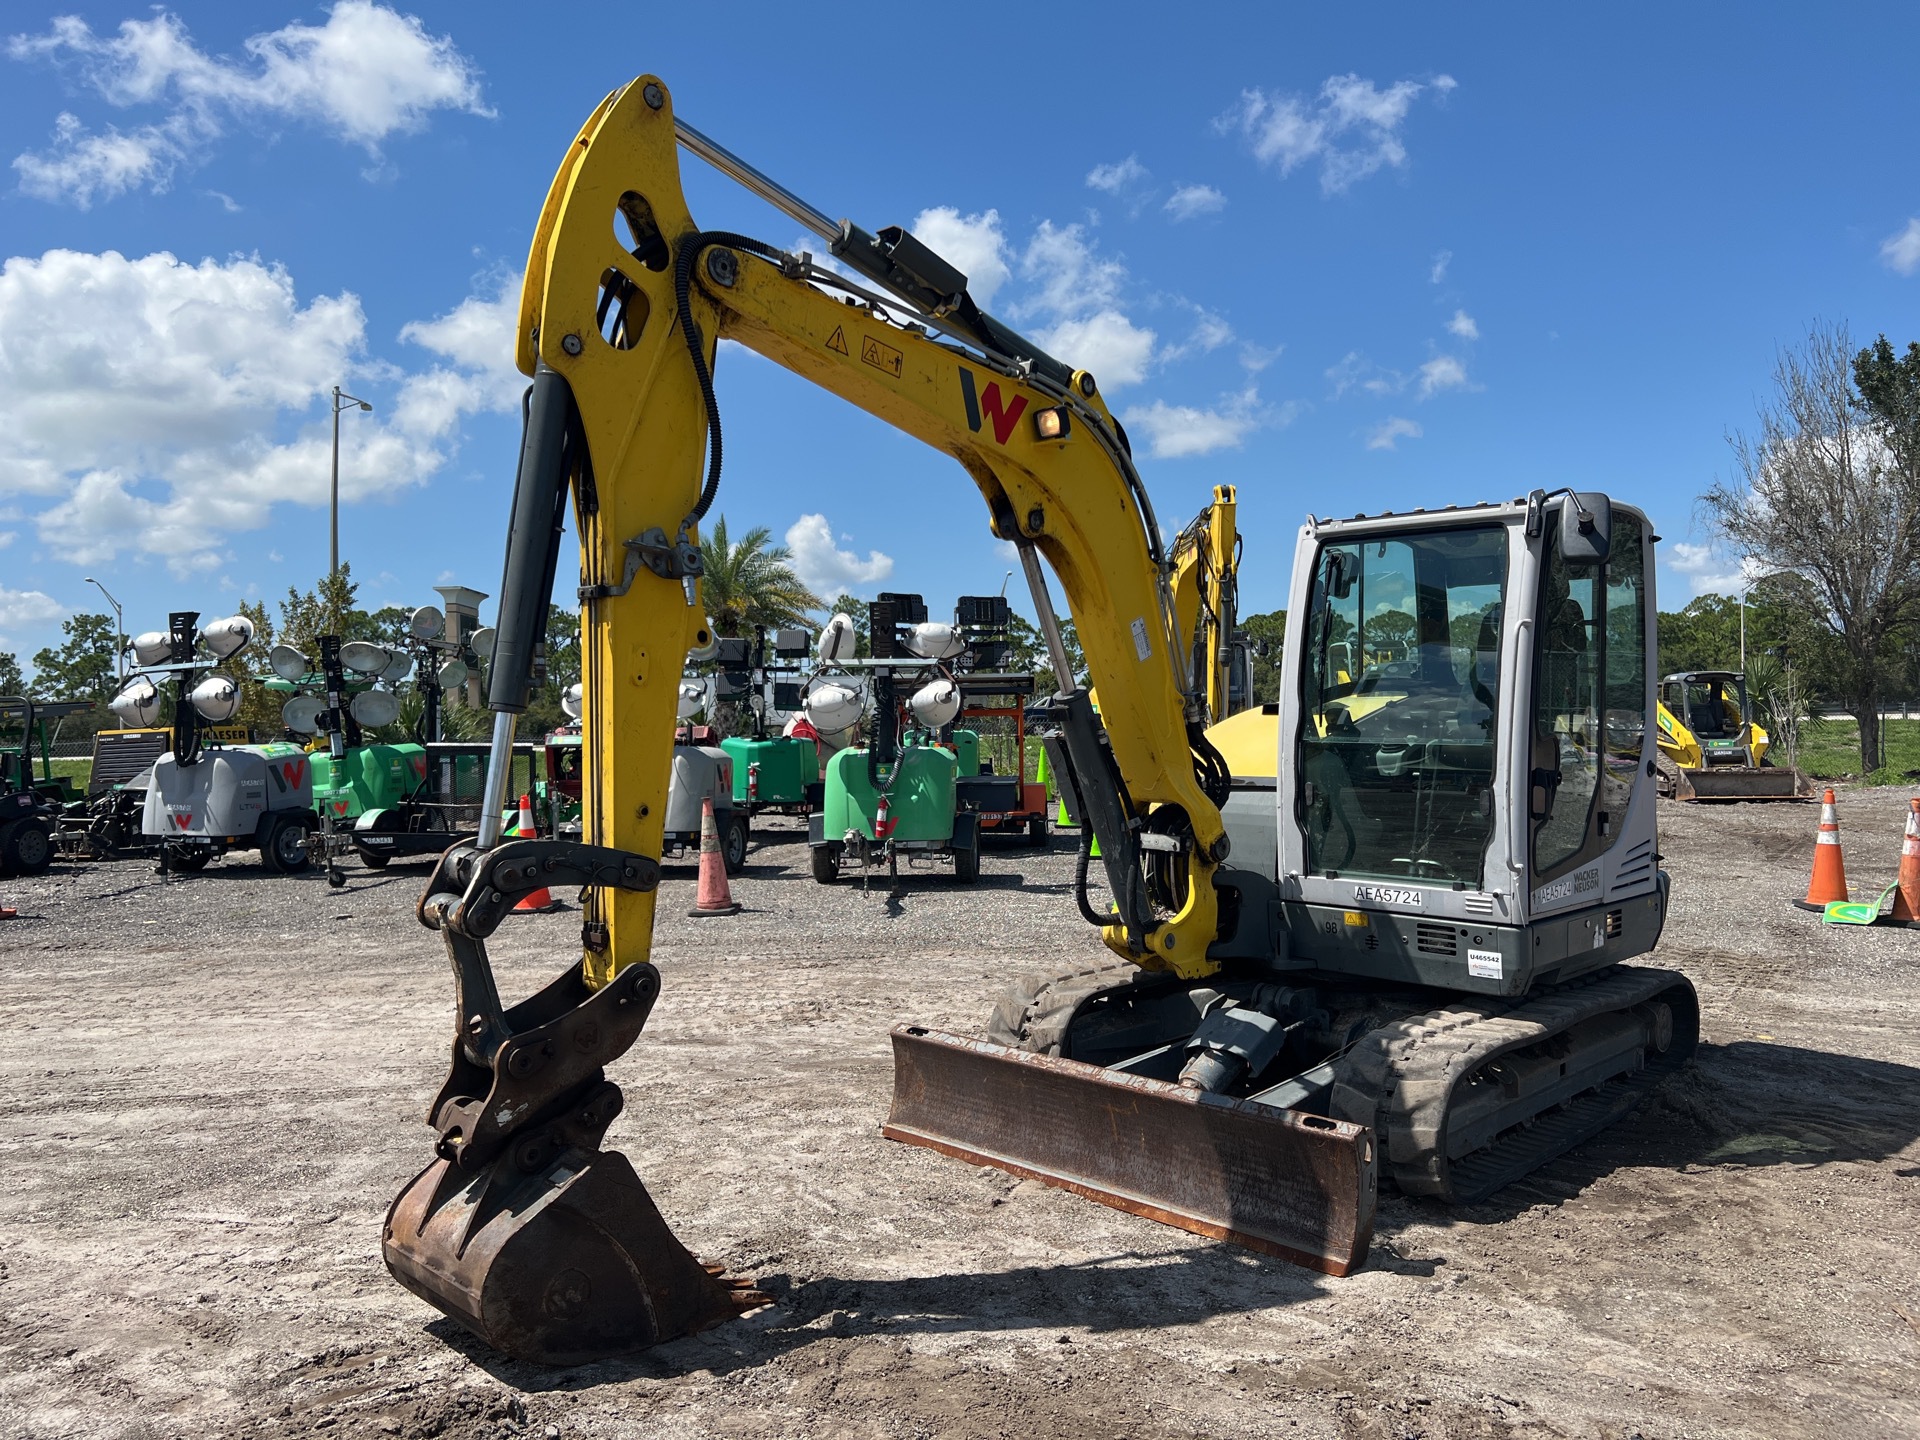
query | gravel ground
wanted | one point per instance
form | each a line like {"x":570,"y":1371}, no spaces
{"x":215,"y":1087}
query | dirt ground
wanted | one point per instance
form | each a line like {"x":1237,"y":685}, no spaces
{"x":211,"y":1091}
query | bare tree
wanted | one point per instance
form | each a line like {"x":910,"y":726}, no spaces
{"x":1818,"y":493}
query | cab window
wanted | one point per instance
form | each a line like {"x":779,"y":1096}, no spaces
{"x":1589,"y":711}
{"x":1401,"y":690}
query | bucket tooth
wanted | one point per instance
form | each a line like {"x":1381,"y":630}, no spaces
{"x":1296,"y":1186}
{"x":570,"y":1264}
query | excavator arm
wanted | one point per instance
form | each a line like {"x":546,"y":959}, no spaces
{"x":1206,"y":569}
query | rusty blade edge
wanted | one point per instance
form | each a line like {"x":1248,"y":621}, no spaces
{"x":1180,"y":1220}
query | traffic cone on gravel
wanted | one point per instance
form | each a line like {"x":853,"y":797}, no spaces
{"x":1829,"y":880}
{"x":1906,"y":899}
{"x":714,"y":897}
{"x":538,"y":901}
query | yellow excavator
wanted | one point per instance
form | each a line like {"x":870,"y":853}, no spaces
{"x":1394,"y":955}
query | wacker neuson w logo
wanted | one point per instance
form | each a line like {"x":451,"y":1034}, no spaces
{"x":1004,"y":415}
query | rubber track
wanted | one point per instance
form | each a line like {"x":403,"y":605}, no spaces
{"x":1400,"y":1078}
{"x":1033,"y":1014}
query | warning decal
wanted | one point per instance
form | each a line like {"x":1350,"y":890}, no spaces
{"x":882,"y":357}
{"x":838,"y":340}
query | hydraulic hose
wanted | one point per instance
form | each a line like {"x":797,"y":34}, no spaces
{"x":1082,"y":864}
{"x":685,"y":252}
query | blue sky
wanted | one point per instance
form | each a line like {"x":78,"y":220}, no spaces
{"x":1385,"y":257}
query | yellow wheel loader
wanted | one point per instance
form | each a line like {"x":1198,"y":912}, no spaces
{"x":1395,"y":954}
{"x":1710,"y":746}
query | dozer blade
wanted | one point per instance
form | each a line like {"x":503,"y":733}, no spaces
{"x":1296,"y":1186}
{"x":569,"y":1264}
{"x":1743,"y":782}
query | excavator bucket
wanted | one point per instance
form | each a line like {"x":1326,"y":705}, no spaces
{"x":569,"y":1264}
{"x":524,"y":1230}
{"x":1292,"y":1185}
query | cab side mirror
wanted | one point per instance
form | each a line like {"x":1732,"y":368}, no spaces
{"x":1586,"y":527}
{"x":1341,"y":573}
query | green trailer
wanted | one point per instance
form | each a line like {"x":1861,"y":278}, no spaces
{"x":916,"y":788}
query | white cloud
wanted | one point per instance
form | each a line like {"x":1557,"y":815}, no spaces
{"x":7,"y":537}
{"x":477,"y":335}
{"x":1255,"y":358}
{"x":1210,"y":332}
{"x":1107,"y":343}
{"x":1706,"y":569}
{"x":1392,"y":429}
{"x":1439,"y":271}
{"x":1117,"y":177}
{"x":1192,"y":200}
{"x":20,"y":609}
{"x":1355,"y":371}
{"x":1443,"y":372}
{"x":1177,"y":431}
{"x":1352,"y":128}
{"x":974,"y":243}
{"x":1901,"y":253}
{"x":162,"y":406}
{"x":82,"y":166}
{"x":1072,"y":278}
{"x":826,"y":569}
{"x":1075,"y":292}
{"x":367,"y":73}
{"x":1462,"y":325}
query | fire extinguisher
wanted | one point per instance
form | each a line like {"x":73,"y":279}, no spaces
{"x":753,"y":782}
{"x":883,"y":818}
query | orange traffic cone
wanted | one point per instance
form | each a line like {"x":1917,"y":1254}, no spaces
{"x":714,"y":897}
{"x":538,"y":901}
{"x":1906,"y":900}
{"x":1829,"y":880}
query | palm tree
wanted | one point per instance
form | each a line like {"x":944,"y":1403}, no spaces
{"x":751,"y":583}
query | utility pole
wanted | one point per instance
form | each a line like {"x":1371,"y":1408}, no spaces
{"x":341,"y":401}
{"x":119,"y":630}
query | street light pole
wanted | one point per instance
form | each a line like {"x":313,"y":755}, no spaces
{"x":341,"y":401}
{"x":119,"y":630}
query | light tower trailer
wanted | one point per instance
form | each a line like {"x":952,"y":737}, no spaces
{"x":207,"y":800}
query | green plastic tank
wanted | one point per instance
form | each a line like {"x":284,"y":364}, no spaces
{"x":369,"y":777}
{"x":921,"y":796}
{"x":787,"y":767}
{"x":966,"y":751}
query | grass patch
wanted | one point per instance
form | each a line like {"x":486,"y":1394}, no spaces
{"x":1832,"y":751}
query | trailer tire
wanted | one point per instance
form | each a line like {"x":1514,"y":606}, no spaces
{"x":733,"y":844}
{"x":374,"y":859}
{"x":826,"y":863}
{"x":284,"y":846}
{"x":966,"y":864}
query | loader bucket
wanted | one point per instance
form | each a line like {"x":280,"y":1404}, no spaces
{"x":1748,"y":782}
{"x":1292,"y":1185}
{"x":565,"y":1265}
